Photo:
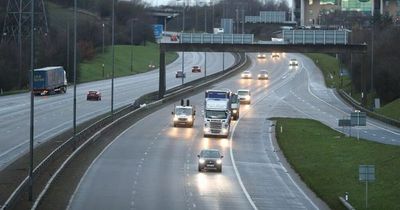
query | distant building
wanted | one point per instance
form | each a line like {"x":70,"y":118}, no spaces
{"x":308,"y":12}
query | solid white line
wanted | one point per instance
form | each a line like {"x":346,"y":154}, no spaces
{"x":98,"y":156}
{"x":290,"y":177}
{"x":236,"y":170}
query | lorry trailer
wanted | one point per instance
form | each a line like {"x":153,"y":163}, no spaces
{"x":49,"y":80}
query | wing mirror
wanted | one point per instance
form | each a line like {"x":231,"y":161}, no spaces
{"x":222,"y":156}
{"x":198,"y":156}
{"x":172,"y":113}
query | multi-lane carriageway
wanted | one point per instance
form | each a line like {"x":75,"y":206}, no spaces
{"x":157,"y":168}
{"x":53,"y":114}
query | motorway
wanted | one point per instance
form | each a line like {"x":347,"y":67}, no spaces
{"x":157,"y":168}
{"x":53,"y":114}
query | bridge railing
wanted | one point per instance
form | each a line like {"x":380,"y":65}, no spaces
{"x":216,"y":38}
{"x":316,"y":36}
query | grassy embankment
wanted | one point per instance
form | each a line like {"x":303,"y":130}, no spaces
{"x":391,"y":109}
{"x":91,"y":70}
{"x":329,"y":66}
{"x":142,"y":57}
{"x":328,"y":163}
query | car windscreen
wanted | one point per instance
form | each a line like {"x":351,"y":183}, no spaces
{"x":183,"y":111}
{"x":263,"y":72}
{"x":234,"y":99}
{"x":243,"y":92}
{"x":216,"y":114}
{"x":217,"y":94}
{"x":210,"y":154}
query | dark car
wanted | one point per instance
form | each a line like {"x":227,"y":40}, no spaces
{"x":210,"y":159}
{"x":196,"y":69}
{"x":93,"y":95}
{"x":180,"y":74}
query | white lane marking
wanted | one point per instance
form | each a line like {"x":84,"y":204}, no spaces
{"x":290,"y":177}
{"x":236,"y":170}
{"x":98,"y":156}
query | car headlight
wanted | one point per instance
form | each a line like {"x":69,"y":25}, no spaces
{"x":175,"y":118}
{"x":219,"y":161}
{"x":247,"y":97}
{"x":235,"y":111}
{"x":259,"y":75}
{"x":190,"y":119}
{"x":224,"y":130}
{"x":201,"y":160}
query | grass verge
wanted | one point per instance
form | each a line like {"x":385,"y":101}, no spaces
{"x":391,"y":110}
{"x":142,"y":57}
{"x":328,"y":163}
{"x":329,"y":66}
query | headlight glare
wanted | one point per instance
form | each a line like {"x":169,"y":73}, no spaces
{"x":201,"y":161}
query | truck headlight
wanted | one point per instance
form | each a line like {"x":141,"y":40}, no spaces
{"x":190,"y":119}
{"x":224,"y":130}
{"x":219,"y":161}
{"x":247,"y":97}
{"x":202,"y":161}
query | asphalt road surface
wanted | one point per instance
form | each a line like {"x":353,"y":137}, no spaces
{"x":53,"y":114}
{"x":153,"y":165}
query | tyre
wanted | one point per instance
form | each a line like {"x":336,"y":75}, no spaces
{"x":199,"y":168}
{"x":219,"y":169}
{"x":174,"y":125}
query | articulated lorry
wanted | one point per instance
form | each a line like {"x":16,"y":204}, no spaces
{"x":49,"y":80}
{"x":217,"y":113}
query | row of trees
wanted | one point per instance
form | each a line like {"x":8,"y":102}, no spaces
{"x":56,"y":47}
{"x":382,"y":73}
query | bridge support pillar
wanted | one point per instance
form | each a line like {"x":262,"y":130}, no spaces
{"x":162,"y":82}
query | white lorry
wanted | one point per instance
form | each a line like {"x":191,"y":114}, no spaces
{"x":217,"y":116}
{"x":184,"y":115}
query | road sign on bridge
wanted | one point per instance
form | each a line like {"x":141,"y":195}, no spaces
{"x":216,"y":38}
{"x":315,"y":36}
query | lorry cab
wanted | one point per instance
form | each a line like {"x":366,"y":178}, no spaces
{"x":217,"y":117}
{"x":184,"y":115}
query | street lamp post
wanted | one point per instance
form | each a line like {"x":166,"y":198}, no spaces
{"x":132,"y":45}
{"x":113,"y":58}
{"x":103,"y":47}
{"x":75,"y":61}
{"x":242,"y":21}
{"x":31,"y":136}
{"x":183,"y":52}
